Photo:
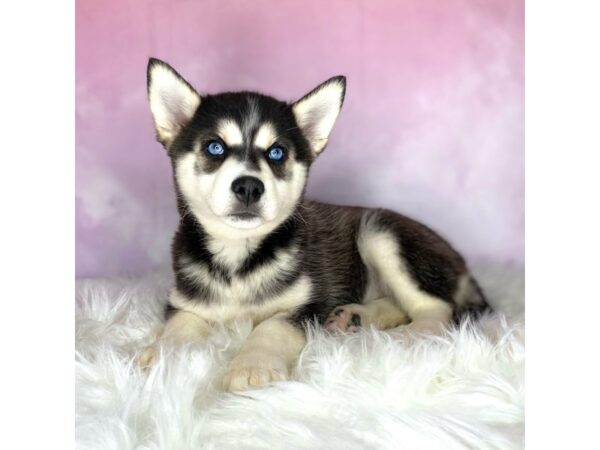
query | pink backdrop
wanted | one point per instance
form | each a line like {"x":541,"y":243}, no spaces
{"x":432,"y":124}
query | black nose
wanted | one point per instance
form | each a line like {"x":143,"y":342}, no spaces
{"x":247,"y":189}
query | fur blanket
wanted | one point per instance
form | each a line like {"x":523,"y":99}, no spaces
{"x":368,"y":390}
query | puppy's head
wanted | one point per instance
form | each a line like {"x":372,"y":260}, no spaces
{"x":240,"y":159}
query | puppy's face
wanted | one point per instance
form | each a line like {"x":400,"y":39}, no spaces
{"x":240,"y":159}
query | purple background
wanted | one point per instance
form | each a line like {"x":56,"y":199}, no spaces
{"x":432,"y":124}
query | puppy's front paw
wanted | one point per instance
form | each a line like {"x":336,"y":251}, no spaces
{"x":146,"y":358}
{"x":254,"y":370}
{"x":422,"y":327}
{"x":346,"y":318}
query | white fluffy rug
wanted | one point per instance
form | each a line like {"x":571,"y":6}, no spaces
{"x":370,"y":390}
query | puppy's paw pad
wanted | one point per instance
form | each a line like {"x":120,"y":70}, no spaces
{"x":245,"y":375}
{"x":345,"y":318}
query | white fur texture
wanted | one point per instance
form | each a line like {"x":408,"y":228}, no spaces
{"x":369,"y":390}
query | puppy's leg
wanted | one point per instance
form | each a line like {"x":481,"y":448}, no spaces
{"x":381,"y":252}
{"x":382,"y":313}
{"x":268,"y":355}
{"x":181,"y":327}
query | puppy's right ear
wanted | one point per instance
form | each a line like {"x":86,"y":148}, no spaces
{"x":173,"y":101}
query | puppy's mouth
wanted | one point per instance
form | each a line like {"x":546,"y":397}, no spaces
{"x":244,"y":216}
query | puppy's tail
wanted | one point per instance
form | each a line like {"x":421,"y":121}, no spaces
{"x":470,"y":300}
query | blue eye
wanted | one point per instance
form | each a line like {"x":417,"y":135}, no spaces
{"x":215,"y":148}
{"x":275,"y":154}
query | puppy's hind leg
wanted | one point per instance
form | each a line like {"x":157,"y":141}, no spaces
{"x":381,"y":251}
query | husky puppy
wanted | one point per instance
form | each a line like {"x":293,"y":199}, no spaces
{"x":249,"y":245}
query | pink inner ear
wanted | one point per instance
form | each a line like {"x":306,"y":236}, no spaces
{"x":317,"y":112}
{"x":173,"y":102}
{"x":179,"y":113}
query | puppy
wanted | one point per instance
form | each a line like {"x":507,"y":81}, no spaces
{"x":249,"y":244}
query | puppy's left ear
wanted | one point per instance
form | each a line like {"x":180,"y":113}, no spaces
{"x":317,"y":111}
{"x":173,"y":101}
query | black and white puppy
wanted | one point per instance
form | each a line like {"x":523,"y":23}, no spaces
{"x":249,"y":245}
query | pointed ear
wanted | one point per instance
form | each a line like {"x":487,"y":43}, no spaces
{"x":317,"y":111}
{"x":173,"y":101}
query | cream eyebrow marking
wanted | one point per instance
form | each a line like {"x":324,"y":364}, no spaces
{"x":265,"y":136}
{"x":230,"y":132}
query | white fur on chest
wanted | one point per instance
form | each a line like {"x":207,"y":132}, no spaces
{"x":231,"y":254}
{"x":247,"y":288}
{"x":238,"y":302}
{"x":256,"y":294}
